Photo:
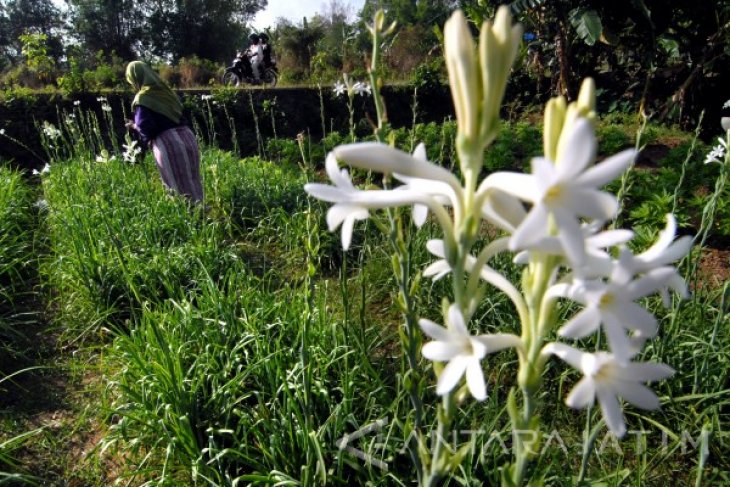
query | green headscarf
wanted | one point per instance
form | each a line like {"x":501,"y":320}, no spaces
{"x":152,"y":92}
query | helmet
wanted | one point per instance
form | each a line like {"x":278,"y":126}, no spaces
{"x":253,"y":38}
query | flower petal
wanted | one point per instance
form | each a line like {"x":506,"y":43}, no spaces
{"x":456,"y":320}
{"x":504,"y":210}
{"x":649,"y":372}
{"x":581,"y":145}
{"x":451,"y":375}
{"x":475,"y":380}
{"x":439,"y":351}
{"x":618,"y":342}
{"x":385,"y":159}
{"x":437,"y":270}
{"x":582,"y":324}
{"x":582,"y":395}
{"x":607,"y":170}
{"x":532,"y":228}
{"x":593,"y":204}
{"x":637,"y":394}
{"x":436,"y":247}
{"x":340,"y":212}
{"x":433,"y":330}
{"x":566,"y":353}
{"x":570,"y":236}
{"x":523,"y":186}
{"x":420,"y":213}
{"x":499,"y":341}
{"x":326,"y":192}
{"x":609,"y":238}
{"x":612,"y":413}
{"x":347,"y":226}
{"x":634,"y":317}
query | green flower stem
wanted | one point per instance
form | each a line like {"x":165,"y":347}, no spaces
{"x":439,"y":459}
{"x":411,"y":339}
{"x":540,"y":320}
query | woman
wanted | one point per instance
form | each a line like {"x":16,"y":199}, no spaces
{"x":158,"y":121}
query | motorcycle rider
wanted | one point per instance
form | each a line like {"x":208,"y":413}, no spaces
{"x":268,"y":58}
{"x":255,"y":54}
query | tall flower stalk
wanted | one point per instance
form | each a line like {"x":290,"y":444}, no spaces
{"x":553,"y":221}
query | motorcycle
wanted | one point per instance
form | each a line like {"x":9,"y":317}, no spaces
{"x":241,"y":72}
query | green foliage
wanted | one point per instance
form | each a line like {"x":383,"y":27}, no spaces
{"x":74,"y":81}
{"x":587,"y":24}
{"x":16,"y":255}
{"x":430,"y":75}
{"x":124,"y":242}
{"x":255,"y":187}
{"x":613,"y":138}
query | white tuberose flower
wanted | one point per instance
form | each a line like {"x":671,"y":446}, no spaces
{"x":607,"y":378}
{"x":598,"y":262}
{"x":361,"y":88}
{"x":340,"y":88}
{"x":352,"y":204}
{"x":665,"y":251}
{"x":612,"y":304}
{"x":565,"y":190}
{"x":462,"y":351}
{"x":44,"y":170}
{"x":341,"y":212}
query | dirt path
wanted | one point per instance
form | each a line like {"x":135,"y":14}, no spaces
{"x":60,"y":398}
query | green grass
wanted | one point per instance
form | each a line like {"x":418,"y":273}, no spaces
{"x":239,"y":343}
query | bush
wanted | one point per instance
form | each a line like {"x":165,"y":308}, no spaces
{"x":22,"y":76}
{"x":169,"y":74}
{"x":196,"y":72}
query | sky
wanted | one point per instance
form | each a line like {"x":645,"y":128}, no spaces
{"x":295,"y":10}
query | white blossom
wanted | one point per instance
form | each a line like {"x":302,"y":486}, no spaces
{"x":562,"y":192}
{"x":131,"y":151}
{"x":462,"y":351}
{"x":340,"y":88}
{"x":607,"y":379}
{"x":361,"y":88}
{"x":598,"y":262}
{"x":612,"y":305}
{"x":352,"y":204}
{"x":717,"y":154}
{"x":666,"y":250}
{"x":44,"y":170}
{"x":105,"y":157}
{"x":51,"y":131}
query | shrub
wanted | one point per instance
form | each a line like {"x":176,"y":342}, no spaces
{"x":196,"y":72}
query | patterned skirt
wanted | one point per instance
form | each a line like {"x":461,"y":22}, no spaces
{"x":178,"y":159}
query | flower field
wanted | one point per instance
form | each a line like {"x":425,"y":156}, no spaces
{"x":440,"y":304}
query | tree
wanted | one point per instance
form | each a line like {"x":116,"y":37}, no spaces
{"x":19,"y":17}
{"x":209,"y":29}
{"x":108,"y":25}
{"x":298,"y":44}
{"x":170,"y":29}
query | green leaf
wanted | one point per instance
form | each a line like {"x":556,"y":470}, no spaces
{"x":519,"y":6}
{"x":587,"y":23}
